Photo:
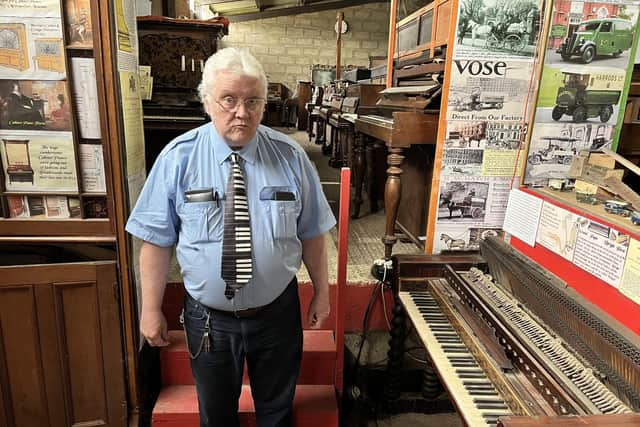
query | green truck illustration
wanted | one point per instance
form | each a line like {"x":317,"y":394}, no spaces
{"x":609,"y":36}
{"x":576,"y":99}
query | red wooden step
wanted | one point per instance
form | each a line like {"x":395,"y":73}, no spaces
{"x":318,"y":359}
{"x":314,"y":405}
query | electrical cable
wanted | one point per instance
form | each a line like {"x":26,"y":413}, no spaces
{"x":365,"y":327}
{"x":384,"y":304}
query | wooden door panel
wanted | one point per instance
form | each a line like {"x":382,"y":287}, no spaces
{"x":61,"y":346}
{"x":23,"y":383}
{"x":78,"y":316}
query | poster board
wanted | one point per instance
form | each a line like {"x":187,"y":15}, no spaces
{"x":585,"y":79}
{"x":490,"y":81}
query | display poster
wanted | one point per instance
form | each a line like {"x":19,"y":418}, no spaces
{"x":79,"y":28}
{"x":492,"y":71}
{"x":583,"y":85}
{"x":630,"y":283}
{"x":30,"y":8}
{"x":125,"y":13}
{"x":38,"y":161}
{"x":601,"y":251}
{"x":85,"y":93}
{"x":92,"y":168}
{"x":32,"y":48}
{"x":133,"y":121}
{"x":523,"y":216}
{"x":558,"y":230}
{"x":35,"y":105}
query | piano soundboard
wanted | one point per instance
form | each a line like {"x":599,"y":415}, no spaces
{"x":515,"y":341}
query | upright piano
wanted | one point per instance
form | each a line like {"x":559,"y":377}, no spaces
{"x":402,"y":117}
{"x":342,"y":123}
{"x":176,"y":50}
{"x":513,"y":345}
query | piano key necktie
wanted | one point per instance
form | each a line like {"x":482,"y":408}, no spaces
{"x":237,"y":267}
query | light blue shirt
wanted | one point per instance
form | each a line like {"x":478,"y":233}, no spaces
{"x":198,"y":160}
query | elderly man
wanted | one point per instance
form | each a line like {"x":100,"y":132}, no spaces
{"x":244,"y":206}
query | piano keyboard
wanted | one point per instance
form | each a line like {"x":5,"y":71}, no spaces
{"x":477,"y":400}
{"x":379,"y":120}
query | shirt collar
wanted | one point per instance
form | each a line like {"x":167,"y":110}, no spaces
{"x":248,"y":153}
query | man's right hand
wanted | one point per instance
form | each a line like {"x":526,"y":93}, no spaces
{"x":153,"y":326}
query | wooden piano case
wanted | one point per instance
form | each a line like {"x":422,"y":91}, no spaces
{"x":421,"y":33}
{"x":176,"y":50}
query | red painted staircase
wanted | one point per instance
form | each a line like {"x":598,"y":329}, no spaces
{"x":321,"y":373}
{"x":315,"y":401}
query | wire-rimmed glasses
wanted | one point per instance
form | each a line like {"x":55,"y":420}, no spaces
{"x":231,"y":104}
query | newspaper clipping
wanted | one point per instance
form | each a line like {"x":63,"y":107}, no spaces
{"x":497,"y":28}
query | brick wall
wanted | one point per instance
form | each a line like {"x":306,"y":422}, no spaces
{"x":288,"y":46}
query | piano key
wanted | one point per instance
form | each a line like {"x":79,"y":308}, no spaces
{"x":463,"y":383}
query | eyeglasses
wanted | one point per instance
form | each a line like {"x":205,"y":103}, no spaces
{"x":231,"y":104}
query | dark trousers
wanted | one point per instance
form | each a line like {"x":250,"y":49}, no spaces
{"x":271,"y":343}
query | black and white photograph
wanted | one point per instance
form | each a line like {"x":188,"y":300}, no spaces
{"x":488,"y":90}
{"x":462,"y":161}
{"x":552,"y":149}
{"x":463,"y":201}
{"x":497,"y":28}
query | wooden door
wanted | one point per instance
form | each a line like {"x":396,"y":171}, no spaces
{"x":61,"y":357}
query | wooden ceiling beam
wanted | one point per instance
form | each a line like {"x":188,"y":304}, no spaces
{"x":296,"y":10}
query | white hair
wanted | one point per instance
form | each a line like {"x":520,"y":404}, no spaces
{"x":234,"y":60}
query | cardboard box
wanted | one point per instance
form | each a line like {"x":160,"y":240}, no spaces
{"x":602,"y":160}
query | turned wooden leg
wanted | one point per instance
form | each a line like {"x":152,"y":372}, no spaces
{"x":392,"y":193}
{"x":358,"y":173}
{"x":397,"y":336}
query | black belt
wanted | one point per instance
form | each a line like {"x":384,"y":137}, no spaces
{"x":247,"y":312}
{"x":240,"y":314}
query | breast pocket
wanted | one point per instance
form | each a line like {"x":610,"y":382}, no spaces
{"x":284,"y":213}
{"x":201,"y":222}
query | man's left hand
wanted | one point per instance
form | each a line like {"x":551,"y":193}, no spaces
{"x":318,"y":310}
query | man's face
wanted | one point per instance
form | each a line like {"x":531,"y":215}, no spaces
{"x":239,"y":123}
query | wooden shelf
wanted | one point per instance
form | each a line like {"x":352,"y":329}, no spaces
{"x":568,"y":198}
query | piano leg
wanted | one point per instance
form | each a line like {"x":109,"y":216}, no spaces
{"x":392,"y":193}
{"x":370,"y":177}
{"x":398,"y":335}
{"x":358,"y":173}
{"x":336,"y":153}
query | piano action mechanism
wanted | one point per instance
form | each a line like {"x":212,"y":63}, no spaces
{"x":515,"y":346}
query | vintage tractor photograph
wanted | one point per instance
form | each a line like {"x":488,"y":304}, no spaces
{"x":575,"y":98}
{"x":598,"y":37}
